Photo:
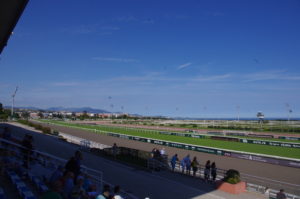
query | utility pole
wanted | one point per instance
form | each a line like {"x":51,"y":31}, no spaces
{"x":13,"y":102}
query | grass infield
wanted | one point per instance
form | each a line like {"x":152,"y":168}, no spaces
{"x":238,"y":146}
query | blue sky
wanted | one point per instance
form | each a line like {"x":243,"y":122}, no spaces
{"x":201,"y":58}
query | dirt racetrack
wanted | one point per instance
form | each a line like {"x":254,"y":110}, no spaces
{"x":256,"y":172}
{"x":161,"y":128}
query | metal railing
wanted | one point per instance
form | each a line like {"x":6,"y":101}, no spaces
{"x":51,"y":162}
{"x":258,"y":184}
{"x":262,"y":186}
{"x":84,"y":144}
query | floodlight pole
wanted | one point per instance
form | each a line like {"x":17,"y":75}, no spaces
{"x":288,"y":110}
{"x":238,"y":109}
{"x":13,"y":102}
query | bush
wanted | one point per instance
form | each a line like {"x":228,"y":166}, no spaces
{"x":46,"y":130}
{"x":56,"y":133}
{"x":232,"y":176}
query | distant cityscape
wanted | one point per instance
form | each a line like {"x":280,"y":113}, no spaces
{"x":92,"y":113}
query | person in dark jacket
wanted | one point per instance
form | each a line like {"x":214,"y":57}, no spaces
{"x":213,"y":171}
{"x":74,"y":163}
{"x":207,"y":171}
{"x":27,"y":144}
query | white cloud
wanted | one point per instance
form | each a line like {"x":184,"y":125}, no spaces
{"x":62,"y":84}
{"x":126,"y":19}
{"x":213,"y":77}
{"x":110,"y":28}
{"x":148,"y":21}
{"x":184,"y":66}
{"x":114,"y":59}
{"x":90,"y":29}
{"x":271,"y":75}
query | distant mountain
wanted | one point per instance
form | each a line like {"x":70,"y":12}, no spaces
{"x":60,"y":108}
{"x":27,"y":107}
{"x":87,"y":109}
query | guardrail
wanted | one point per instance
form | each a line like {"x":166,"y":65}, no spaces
{"x":228,"y":138}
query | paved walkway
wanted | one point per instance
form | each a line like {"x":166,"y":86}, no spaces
{"x":164,"y":185}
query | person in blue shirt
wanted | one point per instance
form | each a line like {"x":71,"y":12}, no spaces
{"x":173,"y":161}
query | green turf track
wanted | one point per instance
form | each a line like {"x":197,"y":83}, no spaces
{"x":237,"y":146}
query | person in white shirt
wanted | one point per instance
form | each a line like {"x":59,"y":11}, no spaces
{"x":117,"y":192}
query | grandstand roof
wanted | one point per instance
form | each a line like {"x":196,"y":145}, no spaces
{"x":10,"y":12}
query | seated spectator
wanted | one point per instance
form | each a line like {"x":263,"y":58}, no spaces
{"x":57,"y":174}
{"x":105,"y":193}
{"x":54,"y":192}
{"x":78,"y":192}
{"x":86,"y":182}
{"x":92,"y":192}
{"x":68,"y":184}
{"x":117,"y":195}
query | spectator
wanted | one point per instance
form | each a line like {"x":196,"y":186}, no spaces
{"x":106,"y":193}
{"x":207,"y":171}
{"x":157,"y":154}
{"x":194,"y":165}
{"x":57,"y":174}
{"x":73,"y":165}
{"x":163,"y":151}
{"x":182,"y":164}
{"x":54,"y":192}
{"x":92,"y":192}
{"x":187,"y":162}
{"x":117,"y":195}
{"x":267,"y":191}
{"x":281,"y":195}
{"x":153,"y":152}
{"x":86,"y":182}
{"x":6,"y":133}
{"x":27,"y":144}
{"x":173,"y":161}
{"x":68,"y":184}
{"x":78,"y":192}
{"x":213,"y":171}
{"x":115,"y":150}
{"x":7,"y":136}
